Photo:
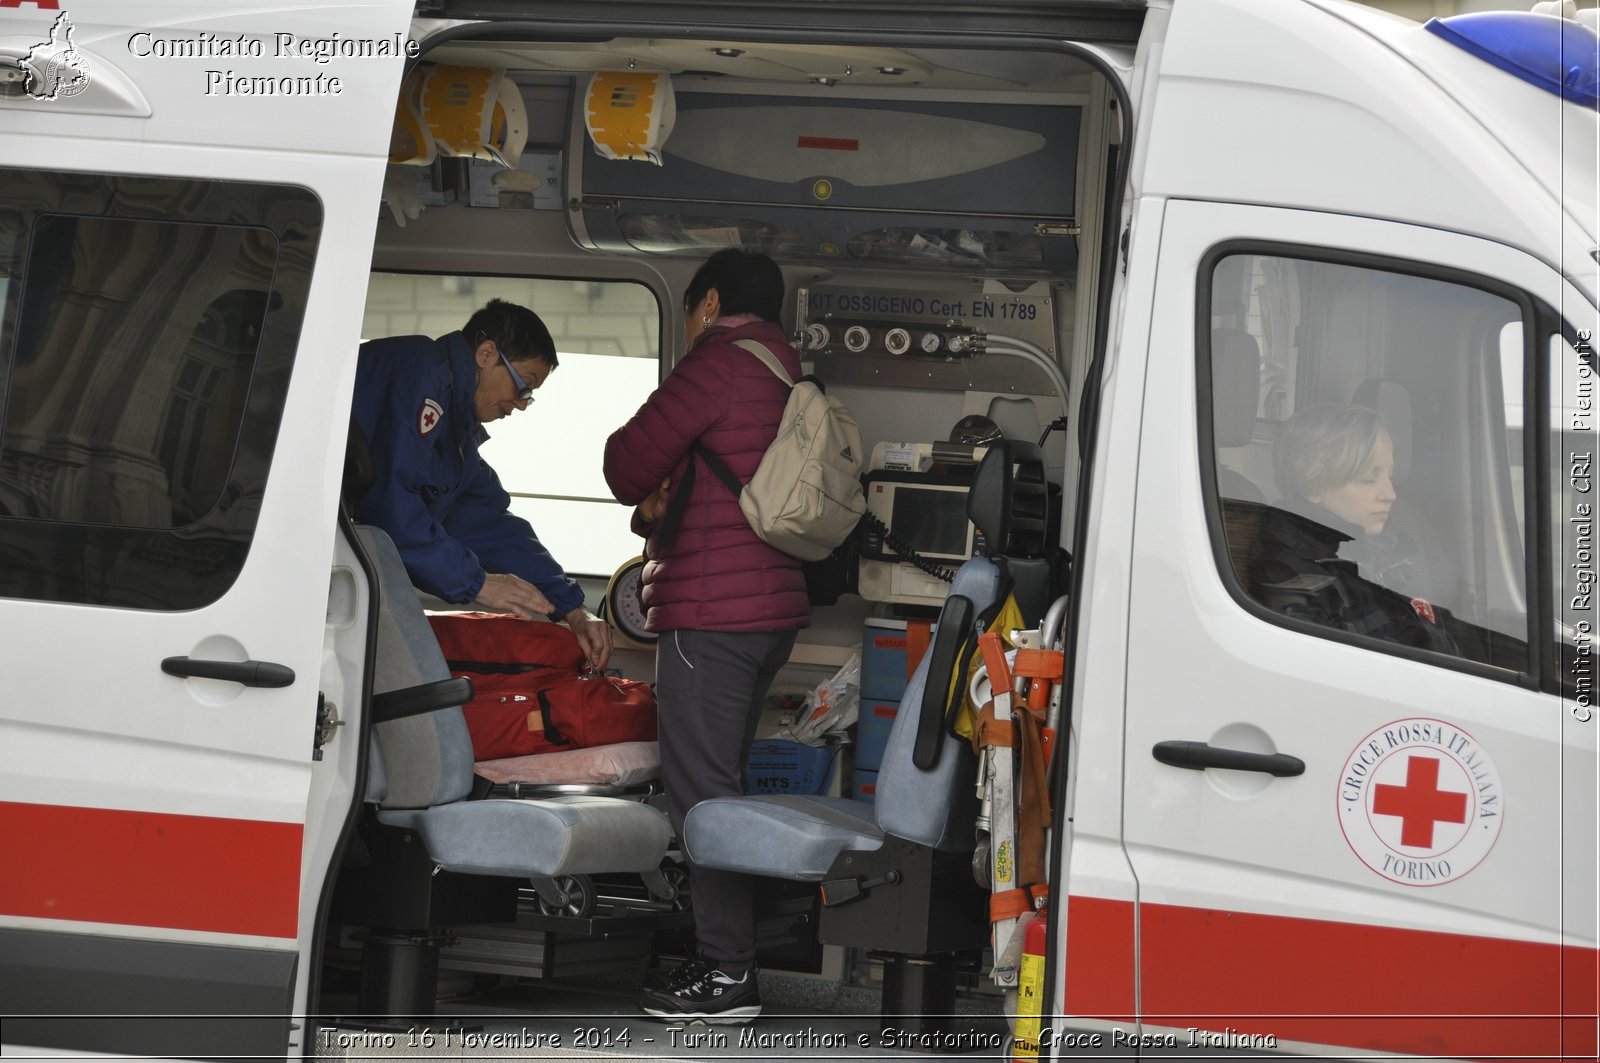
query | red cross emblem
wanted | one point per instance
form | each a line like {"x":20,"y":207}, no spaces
{"x":429,"y":416}
{"x":1420,"y":803}
{"x":1442,"y":787}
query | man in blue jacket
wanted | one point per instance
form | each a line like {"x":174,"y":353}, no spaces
{"x":422,"y":404}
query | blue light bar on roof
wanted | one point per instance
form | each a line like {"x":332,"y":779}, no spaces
{"x":1556,"y":54}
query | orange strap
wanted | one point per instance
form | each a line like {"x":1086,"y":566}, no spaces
{"x":1032,"y":793}
{"x":1043,"y":668}
{"x":1040,"y":664}
{"x":988,"y":731}
{"x":994,"y":658}
{"x":1033,"y":801}
{"x":1047,"y":735}
{"x":918,"y":634}
{"x":1013,"y":903}
{"x":1009,"y":905}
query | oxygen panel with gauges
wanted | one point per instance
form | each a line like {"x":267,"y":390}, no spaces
{"x":922,"y":349}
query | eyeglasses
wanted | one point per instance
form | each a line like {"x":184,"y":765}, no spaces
{"x":524,"y":390}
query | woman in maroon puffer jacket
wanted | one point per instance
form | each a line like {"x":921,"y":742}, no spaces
{"x":726,"y":605}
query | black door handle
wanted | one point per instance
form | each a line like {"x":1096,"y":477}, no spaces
{"x":250,"y":673}
{"x":1199,"y":756}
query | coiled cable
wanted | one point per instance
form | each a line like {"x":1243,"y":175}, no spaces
{"x":902,"y":546}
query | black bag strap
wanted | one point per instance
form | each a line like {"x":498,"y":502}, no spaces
{"x":491,"y":668}
{"x":545,"y":713}
{"x":720,"y":467}
{"x":667,"y":528}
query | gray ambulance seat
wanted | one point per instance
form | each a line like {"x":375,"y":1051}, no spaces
{"x":799,"y":837}
{"x":896,"y":876}
{"x":420,"y":822}
{"x":421,"y":771}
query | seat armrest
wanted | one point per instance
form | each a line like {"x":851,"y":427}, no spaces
{"x":951,"y":644}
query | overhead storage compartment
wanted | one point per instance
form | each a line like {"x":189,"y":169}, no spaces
{"x":917,"y":184}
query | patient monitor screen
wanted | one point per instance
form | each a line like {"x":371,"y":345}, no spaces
{"x":932,"y":521}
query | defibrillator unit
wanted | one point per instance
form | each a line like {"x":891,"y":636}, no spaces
{"x":917,"y":493}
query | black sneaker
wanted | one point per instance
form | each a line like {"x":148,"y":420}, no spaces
{"x":712,"y":998}
{"x":667,"y":981}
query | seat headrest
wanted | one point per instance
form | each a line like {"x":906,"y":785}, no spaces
{"x":1009,"y":499}
{"x":1235,"y":386}
{"x":1392,"y":403}
{"x":988,"y":500}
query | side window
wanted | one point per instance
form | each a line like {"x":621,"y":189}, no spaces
{"x":1361,"y":435}
{"x":549,"y":457}
{"x":148,"y":330}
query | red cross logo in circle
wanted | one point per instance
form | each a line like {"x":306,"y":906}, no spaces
{"x":1420,"y":803}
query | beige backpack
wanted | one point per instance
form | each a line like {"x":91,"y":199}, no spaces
{"x":805,"y":497}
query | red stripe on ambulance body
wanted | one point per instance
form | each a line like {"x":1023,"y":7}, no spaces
{"x":110,"y":865}
{"x":1100,"y":949}
{"x":1416,"y":992}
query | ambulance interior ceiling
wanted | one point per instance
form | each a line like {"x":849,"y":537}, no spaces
{"x":953,"y":242}
{"x":963,"y":69}
{"x":962,"y":107}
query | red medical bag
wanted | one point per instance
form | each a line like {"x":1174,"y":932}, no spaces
{"x":530,"y":695}
{"x":505,"y":641}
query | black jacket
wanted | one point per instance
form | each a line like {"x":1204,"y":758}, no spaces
{"x":1301,"y":574}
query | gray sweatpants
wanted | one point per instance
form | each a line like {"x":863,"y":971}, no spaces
{"x":710,"y":689}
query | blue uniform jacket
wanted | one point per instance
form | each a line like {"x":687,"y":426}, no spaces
{"x":435,"y":496}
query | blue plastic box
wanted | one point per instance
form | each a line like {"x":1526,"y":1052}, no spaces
{"x":883,"y":659}
{"x":780,"y":767}
{"x":873,"y":723}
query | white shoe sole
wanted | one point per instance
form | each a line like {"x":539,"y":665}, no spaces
{"x":733,"y":1016}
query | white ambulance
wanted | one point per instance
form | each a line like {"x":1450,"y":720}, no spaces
{"x":1164,"y":236}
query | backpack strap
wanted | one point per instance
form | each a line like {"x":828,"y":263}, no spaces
{"x":716,"y":464}
{"x":667,"y":530}
{"x":763,"y":352}
{"x":720,"y":467}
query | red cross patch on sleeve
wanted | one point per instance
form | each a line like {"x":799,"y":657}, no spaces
{"x":1424,"y":610}
{"x":429,"y":416}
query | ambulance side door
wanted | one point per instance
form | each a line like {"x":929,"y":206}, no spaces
{"x":1351,"y":772}
{"x":187,"y":206}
